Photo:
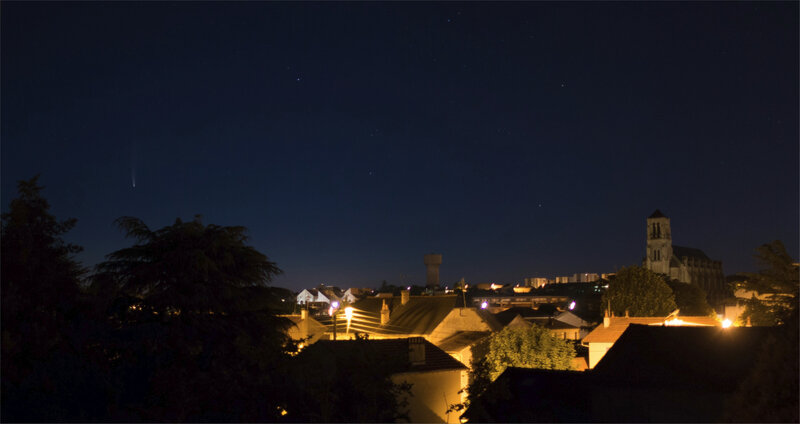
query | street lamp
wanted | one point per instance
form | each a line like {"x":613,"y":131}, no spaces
{"x":348,"y":314}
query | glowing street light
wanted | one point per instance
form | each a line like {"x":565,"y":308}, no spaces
{"x":484,"y":305}
{"x":726,"y":323}
{"x":572,"y":305}
{"x":348,"y":314}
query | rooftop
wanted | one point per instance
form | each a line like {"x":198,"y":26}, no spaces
{"x":618,"y":325}
{"x":392,"y":351}
{"x":710,"y":358}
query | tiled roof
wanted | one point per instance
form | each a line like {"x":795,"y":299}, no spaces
{"x":610,"y":334}
{"x":459,"y":341}
{"x":509,"y":314}
{"x":421,"y":315}
{"x":394,"y":351}
{"x":680,"y":252}
{"x":712,"y":358}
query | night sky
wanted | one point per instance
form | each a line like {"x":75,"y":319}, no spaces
{"x":516,"y":139}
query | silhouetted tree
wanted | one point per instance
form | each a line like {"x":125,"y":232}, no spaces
{"x":690,"y":299}
{"x":777,"y":281}
{"x":46,"y":374}
{"x":194,"y":336}
{"x":770,"y":391}
{"x":639,"y":292}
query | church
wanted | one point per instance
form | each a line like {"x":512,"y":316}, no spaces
{"x":685,"y":264}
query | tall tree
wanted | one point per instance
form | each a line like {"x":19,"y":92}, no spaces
{"x":776,"y":283}
{"x":690,"y":299}
{"x":41,"y":357}
{"x":195,"y":338}
{"x":639,"y":292}
{"x":531,"y":347}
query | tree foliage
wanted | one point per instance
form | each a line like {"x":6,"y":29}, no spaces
{"x":639,"y":292}
{"x":777,"y":283}
{"x":690,"y":299}
{"x":532,"y":347}
{"x":188,"y":267}
{"x":769,"y":392}
{"x":46,"y":373}
{"x":194,"y":338}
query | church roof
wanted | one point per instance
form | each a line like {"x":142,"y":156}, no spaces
{"x":657,"y":214}
{"x":680,"y":252}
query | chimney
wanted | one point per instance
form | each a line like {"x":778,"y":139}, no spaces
{"x":606,"y":320}
{"x":404,"y":296}
{"x":304,"y":313}
{"x":432,"y":261}
{"x":627,"y":315}
{"x":384,"y":313}
{"x":416,"y":350}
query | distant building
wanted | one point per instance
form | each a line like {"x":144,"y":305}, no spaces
{"x":685,"y":264}
{"x":562,"y":324}
{"x":537,"y":282}
{"x":319,"y":300}
{"x":586,"y":277}
{"x":498,"y":303}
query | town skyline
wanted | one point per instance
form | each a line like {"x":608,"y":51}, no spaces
{"x":518,"y":140}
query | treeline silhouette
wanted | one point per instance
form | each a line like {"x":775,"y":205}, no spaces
{"x":180,"y":326}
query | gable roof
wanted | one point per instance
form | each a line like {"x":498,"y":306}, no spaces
{"x":315,"y":328}
{"x":505,"y":317}
{"x":393,"y":351}
{"x":680,"y":252}
{"x":421,"y":315}
{"x":461,"y":340}
{"x":690,"y":358}
{"x":618,"y":325}
{"x":657,"y":214}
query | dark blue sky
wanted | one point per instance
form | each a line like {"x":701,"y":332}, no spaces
{"x":517,"y":139}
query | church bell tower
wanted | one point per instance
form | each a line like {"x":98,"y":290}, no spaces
{"x":659,"y":243}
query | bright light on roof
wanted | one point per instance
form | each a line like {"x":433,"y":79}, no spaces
{"x":484,"y":305}
{"x":726,"y":323}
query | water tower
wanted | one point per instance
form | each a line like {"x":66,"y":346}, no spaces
{"x":432,"y":261}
